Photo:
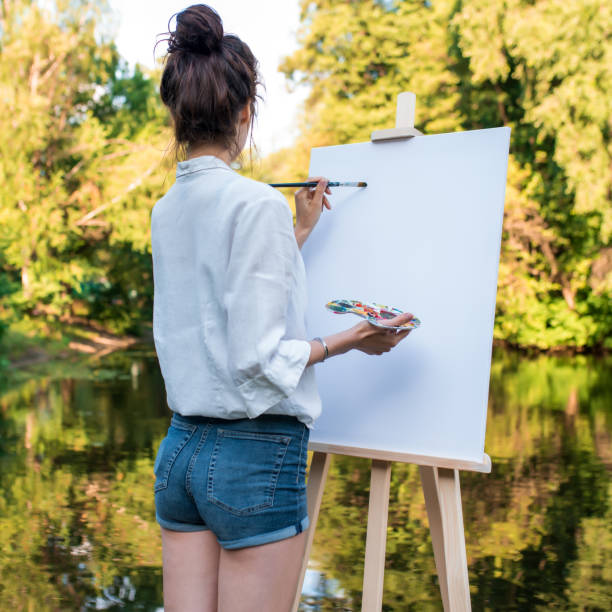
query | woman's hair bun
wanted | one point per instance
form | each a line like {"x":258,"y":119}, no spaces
{"x":199,"y":29}
{"x":208,"y":79}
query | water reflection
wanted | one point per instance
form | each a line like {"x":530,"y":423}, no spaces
{"x":77,"y":528}
{"x":320,"y":592}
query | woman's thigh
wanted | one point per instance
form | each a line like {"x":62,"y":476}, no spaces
{"x":190,"y":569}
{"x":260,"y":577}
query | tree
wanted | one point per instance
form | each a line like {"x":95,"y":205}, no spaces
{"x":544,"y":69}
{"x":78,"y":170}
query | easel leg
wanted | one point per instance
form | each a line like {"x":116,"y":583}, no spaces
{"x":317,"y":476}
{"x":443,"y":501}
{"x":376,"y":539}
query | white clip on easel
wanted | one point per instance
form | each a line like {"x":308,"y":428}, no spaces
{"x":439,"y":478}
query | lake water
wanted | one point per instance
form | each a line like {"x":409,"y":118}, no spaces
{"x":77,"y":526}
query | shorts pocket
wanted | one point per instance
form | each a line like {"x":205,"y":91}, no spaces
{"x":168,"y":451}
{"x":244,"y":469}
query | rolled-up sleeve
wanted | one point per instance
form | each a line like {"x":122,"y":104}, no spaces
{"x":265,"y":365}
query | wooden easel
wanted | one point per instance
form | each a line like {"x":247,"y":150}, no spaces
{"x":439,"y":478}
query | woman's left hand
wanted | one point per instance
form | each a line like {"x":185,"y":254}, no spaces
{"x":309,"y":204}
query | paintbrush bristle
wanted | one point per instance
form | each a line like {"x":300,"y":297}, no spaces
{"x":362,"y":184}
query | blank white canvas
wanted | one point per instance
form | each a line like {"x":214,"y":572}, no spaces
{"x":423,"y":236}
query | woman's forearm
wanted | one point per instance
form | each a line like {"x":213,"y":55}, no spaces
{"x":300,"y":236}
{"x":337,"y":344}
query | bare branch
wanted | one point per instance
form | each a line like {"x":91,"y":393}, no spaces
{"x":117,"y":198}
{"x":34,"y":74}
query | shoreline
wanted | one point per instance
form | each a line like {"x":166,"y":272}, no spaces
{"x":555,"y":351}
{"x":83,"y":340}
{"x":39,"y":345}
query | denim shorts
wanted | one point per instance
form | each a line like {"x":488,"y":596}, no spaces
{"x":243,"y":479}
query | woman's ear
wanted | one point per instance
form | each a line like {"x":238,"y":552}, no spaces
{"x":245,"y":113}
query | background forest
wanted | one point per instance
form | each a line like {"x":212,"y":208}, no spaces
{"x":87,"y":150}
{"x":86,"y":153}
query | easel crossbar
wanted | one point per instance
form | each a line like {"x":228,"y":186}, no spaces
{"x":370,"y":453}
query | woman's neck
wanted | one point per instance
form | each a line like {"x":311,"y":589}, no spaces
{"x":210,"y":149}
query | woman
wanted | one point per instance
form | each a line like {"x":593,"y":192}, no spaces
{"x":230,"y":337}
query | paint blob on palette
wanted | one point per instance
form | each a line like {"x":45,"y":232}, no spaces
{"x":372,"y":312}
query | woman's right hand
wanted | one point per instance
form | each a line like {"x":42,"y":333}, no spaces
{"x":374,"y":340}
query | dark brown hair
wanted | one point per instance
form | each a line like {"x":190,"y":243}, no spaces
{"x":207,"y":80}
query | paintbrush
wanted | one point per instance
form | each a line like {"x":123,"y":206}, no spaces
{"x":315,"y":183}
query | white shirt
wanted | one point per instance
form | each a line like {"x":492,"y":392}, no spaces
{"x":230,"y":298}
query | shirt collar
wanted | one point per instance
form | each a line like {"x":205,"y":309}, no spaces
{"x":197,"y":164}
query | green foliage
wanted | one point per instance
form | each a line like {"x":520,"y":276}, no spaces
{"x":79,"y":170}
{"x":543,"y":68}
{"x":85,"y":160}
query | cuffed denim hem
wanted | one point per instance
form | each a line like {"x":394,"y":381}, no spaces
{"x":176,"y":526}
{"x":266,"y":538}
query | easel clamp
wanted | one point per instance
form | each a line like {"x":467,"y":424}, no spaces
{"x":404,"y":121}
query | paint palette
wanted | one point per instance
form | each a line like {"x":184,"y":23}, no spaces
{"x":372,"y":312}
